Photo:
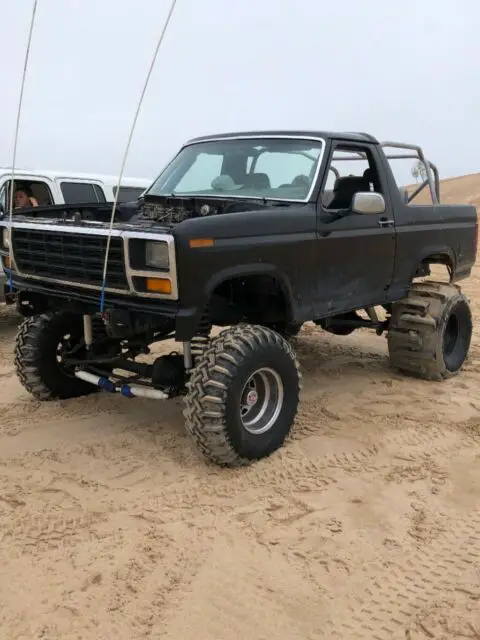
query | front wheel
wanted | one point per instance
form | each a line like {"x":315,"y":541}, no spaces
{"x":243,"y":395}
{"x":40,"y":344}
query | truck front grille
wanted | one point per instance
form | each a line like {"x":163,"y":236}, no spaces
{"x":70,"y":257}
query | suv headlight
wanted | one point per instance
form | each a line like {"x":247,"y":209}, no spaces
{"x":5,"y":238}
{"x":156,"y":255}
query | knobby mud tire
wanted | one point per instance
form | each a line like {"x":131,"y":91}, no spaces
{"x":212,"y":404}
{"x":430,"y":331}
{"x":36,"y":362}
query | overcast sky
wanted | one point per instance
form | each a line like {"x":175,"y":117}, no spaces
{"x":404,"y":70}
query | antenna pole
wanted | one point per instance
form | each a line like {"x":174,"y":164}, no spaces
{"x":15,"y":143}
{"x":140,"y":102}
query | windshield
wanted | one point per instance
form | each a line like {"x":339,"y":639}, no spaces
{"x":280,"y":169}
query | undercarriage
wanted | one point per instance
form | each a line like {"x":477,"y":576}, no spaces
{"x":105,"y":351}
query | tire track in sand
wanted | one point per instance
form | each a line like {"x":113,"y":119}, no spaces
{"x":383,"y":600}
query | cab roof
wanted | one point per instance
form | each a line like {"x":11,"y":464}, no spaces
{"x":350,"y":136}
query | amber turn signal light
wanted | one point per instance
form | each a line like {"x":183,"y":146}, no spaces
{"x":159,"y":285}
{"x":7,"y":262}
{"x":196,"y":243}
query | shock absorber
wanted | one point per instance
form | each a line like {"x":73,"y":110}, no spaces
{"x":88,"y":331}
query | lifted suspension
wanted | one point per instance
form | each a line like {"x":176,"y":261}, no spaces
{"x":127,"y":390}
{"x":165,"y":378}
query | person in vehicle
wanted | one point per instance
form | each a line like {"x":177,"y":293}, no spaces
{"x":24,"y":198}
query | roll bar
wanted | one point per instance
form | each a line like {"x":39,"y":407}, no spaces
{"x":432,"y":180}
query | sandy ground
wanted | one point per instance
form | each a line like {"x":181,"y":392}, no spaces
{"x":366,"y":525}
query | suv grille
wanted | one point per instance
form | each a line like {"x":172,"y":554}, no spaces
{"x":71,"y":257}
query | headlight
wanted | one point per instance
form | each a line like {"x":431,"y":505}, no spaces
{"x":156,"y":255}
{"x":6,"y":238}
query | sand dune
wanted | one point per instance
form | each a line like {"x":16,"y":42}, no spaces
{"x":365,"y":525}
{"x":465,"y":189}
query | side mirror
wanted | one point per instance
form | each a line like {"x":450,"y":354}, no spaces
{"x":368,"y":202}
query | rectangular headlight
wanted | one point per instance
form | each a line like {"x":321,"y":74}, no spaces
{"x":156,"y":255}
{"x":5,"y":239}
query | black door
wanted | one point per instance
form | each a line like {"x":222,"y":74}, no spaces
{"x":355,"y":252}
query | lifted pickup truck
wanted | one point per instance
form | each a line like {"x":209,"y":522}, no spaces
{"x":240,"y":231}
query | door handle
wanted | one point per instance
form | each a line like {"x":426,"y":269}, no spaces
{"x":384,"y":222}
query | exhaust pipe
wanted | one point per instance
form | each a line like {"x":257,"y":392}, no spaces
{"x":126,"y":390}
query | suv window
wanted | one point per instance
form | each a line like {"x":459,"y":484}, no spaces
{"x":204,"y":170}
{"x":127,"y":194}
{"x":82,"y":192}
{"x":354,"y":162}
{"x":278,"y":168}
{"x":37,"y":189}
{"x":280,"y":172}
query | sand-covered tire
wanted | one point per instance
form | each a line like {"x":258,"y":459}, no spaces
{"x":242,"y":396}
{"x":430,"y":331}
{"x":36,"y":356}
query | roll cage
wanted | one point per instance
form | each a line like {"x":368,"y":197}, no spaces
{"x":432,"y":180}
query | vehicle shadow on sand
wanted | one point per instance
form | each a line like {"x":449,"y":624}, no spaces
{"x":329,"y":365}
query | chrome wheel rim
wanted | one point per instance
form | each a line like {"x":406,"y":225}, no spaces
{"x":261,"y":401}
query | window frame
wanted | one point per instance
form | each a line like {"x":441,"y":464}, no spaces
{"x":355,"y":147}
{"x":311,"y":195}
{"x":125,"y":186}
{"x":96,"y":187}
{"x":22,"y":179}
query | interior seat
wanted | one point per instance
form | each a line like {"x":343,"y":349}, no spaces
{"x":344,"y":190}
{"x":258,"y":181}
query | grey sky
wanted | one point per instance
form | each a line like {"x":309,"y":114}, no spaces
{"x":401,"y":70}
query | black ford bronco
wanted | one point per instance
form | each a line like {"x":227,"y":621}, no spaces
{"x":242,"y":231}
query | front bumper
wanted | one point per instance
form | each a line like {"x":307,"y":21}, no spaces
{"x":56,"y":296}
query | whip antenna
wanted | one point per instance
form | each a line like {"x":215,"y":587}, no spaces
{"x":12,"y":181}
{"x":152,"y":64}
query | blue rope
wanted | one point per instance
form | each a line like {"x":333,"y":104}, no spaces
{"x":102,"y":296}
{"x":9,"y":276}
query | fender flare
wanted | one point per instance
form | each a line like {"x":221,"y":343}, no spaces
{"x":437,"y":250}
{"x":256,"y":269}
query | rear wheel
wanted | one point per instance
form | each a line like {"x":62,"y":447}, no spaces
{"x":242,"y":395}
{"x":40,"y":345}
{"x":430,"y":331}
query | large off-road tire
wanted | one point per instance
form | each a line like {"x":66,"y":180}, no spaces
{"x":36,"y":356}
{"x":430,"y":331}
{"x":223,"y":407}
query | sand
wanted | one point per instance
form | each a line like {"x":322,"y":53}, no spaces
{"x":366,"y":525}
